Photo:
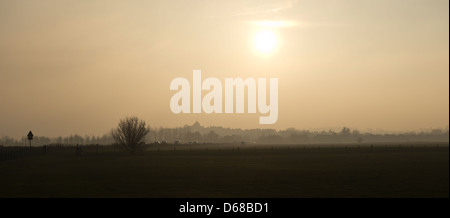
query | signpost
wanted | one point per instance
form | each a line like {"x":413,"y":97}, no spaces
{"x":30,"y":137}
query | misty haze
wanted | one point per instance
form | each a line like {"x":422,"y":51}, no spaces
{"x":296,"y":98}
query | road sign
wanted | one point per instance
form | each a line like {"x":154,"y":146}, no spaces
{"x":30,"y":136}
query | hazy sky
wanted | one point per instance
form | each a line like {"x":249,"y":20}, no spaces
{"x":69,"y":66}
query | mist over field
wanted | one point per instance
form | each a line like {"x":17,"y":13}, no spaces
{"x":224,"y":99}
{"x":77,"y":67}
{"x":197,"y":133}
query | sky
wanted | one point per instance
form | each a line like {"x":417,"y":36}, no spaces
{"x":78,"y":67}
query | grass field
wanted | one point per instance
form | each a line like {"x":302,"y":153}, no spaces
{"x":202,"y":171}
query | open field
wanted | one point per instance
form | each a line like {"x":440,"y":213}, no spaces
{"x":300,"y":171}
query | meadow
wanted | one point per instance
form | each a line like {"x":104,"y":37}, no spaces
{"x":240,"y":171}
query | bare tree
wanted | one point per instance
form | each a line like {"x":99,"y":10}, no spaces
{"x":130,"y":133}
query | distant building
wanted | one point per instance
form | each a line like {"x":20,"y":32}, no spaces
{"x":196,"y":127}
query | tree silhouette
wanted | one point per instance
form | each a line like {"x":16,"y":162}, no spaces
{"x":130,"y":133}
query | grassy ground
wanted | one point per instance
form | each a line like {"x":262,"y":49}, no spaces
{"x":293,"y":172}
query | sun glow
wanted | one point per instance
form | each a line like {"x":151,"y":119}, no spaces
{"x":265,"y":41}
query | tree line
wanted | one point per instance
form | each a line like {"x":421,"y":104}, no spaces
{"x":199,"y":134}
{"x":105,"y":139}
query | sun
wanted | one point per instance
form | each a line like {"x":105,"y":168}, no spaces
{"x":265,"y":41}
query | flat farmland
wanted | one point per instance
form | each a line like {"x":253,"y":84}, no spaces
{"x":242,"y":171}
